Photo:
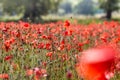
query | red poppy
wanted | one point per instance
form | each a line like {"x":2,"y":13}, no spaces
{"x":49,"y":54}
{"x":41,"y":45}
{"x":26,"y":24}
{"x":29,"y":72}
{"x":4,"y":76}
{"x":39,"y":73}
{"x":47,"y":46}
{"x":7,"y":45}
{"x":94,"y":63}
{"x":7,"y":58}
{"x":67,"y":23}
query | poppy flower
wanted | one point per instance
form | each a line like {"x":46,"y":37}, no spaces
{"x":29,"y":72}
{"x":49,"y":54}
{"x":7,"y":45}
{"x":94,"y":63}
{"x":4,"y":76}
{"x":67,"y":23}
{"x":7,"y":58}
{"x":39,"y":73}
{"x":26,"y":25}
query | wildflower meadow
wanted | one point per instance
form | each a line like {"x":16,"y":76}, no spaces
{"x":55,"y":51}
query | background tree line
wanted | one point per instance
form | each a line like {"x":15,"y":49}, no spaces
{"x":90,"y":7}
{"x":33,"y":9}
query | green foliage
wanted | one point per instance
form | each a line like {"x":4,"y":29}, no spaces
{"x":109,"y":6}
{"x":12,"y":7}
{"x":31,"y":9}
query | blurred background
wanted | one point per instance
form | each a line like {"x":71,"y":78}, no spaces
{"x":54,"y":10}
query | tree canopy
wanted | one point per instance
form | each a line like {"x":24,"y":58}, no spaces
{"x":109,"y":6}
{"x":30,"y":8}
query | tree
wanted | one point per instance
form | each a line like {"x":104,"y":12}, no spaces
{"x":109,"y":6}
{"x":36,"y":8}
{"x":31,"y":9}
{"x":85,"y":7}
{"x":11,"y":7}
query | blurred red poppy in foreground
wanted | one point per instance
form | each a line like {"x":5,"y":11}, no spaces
{"x":4,"y":76}
{"x":95,"y":63}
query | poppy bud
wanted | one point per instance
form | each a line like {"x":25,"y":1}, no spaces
{"x":69,"y":75}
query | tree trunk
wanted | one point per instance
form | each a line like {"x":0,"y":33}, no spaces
{"x":109,"y":14}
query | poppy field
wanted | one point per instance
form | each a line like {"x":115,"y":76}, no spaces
{"x":51,"y":51}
